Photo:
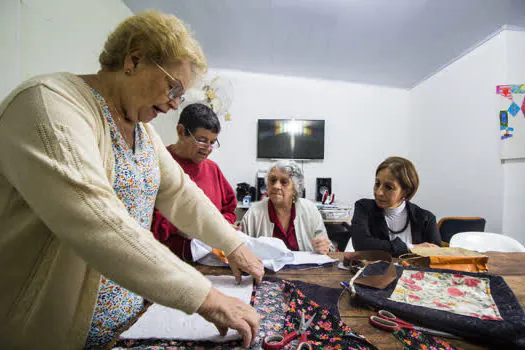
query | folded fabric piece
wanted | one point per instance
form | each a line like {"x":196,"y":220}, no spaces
{"x":164,"y":322}
{"x":272,"y":251}
{"x":509,"y":333}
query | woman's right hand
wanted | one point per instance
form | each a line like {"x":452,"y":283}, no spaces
{"x":321,"y":244}
{"x":227,"y":312}
{"x":243,"y":259}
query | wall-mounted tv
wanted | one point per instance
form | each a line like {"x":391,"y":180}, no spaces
{"x":290,"y":139}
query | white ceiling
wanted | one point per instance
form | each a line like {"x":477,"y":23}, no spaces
{"x":383,"y":42}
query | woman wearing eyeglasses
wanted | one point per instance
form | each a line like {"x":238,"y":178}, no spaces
{"x":197,"y":131}
{"x":80,"y":173}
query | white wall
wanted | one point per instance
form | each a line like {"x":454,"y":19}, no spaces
{"x":447,"y":125}
{"x":54,"y":36}
{"x":10,"y":39}
{"x":364,"y":125}
{"x":455,"y":133}
{"x":514,"y":170}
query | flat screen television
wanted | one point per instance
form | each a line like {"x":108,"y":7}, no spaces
{"x":290,"y":139}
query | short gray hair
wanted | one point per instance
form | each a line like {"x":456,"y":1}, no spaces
{"x":294,"y":171}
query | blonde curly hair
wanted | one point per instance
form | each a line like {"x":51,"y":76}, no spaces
{"x":161,"y":37}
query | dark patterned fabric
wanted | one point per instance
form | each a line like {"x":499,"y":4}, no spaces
{"x":306,"y":266}
{"x":278,"y":302}
{"x":327,"y":298}
{"x":414,"y":340}
{"x":326,"y":331}
{"x":509,"y":333}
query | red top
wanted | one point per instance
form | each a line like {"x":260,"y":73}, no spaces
{"x":287,"y":237}
{"x":209,"y":178}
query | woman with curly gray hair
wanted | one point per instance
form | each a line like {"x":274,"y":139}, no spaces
{"x":285,"y":215}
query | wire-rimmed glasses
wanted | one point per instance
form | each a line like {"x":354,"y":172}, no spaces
{"x":178,"y":90}
{"x":214,"y":145}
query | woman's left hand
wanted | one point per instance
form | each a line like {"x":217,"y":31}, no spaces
{"x":243,"y":259}
{"x":321,"y":244}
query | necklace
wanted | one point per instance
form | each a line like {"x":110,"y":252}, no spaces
{"x":130,"y":140}
{"x":404,"y":227}
{"x":118,"y":118}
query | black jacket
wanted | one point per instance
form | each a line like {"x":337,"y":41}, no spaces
{"x":370,"y":232}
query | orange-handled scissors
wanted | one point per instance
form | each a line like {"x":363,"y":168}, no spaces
{"x":275,"y":342}
{"x":387,"y":321}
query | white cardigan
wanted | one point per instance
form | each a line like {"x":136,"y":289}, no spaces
{"x":308,"y":220}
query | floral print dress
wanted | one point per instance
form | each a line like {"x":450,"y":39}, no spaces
{"x":137,"y":179}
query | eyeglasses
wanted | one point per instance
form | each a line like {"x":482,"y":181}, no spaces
{"x":213,"y":145}
{"x":178,"y":90}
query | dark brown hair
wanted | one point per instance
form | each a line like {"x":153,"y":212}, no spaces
{"x":404,"y":172}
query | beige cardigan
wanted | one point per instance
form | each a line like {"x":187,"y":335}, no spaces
{"x":62,"y":225}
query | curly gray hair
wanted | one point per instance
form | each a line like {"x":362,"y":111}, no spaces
{"x":294,"y":171}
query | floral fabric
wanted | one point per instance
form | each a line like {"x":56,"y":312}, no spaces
{"x":453,"y":292}
{"x":326,"y":331}
{"x":279,"y":303}
{"x":506,"y":334}
{"x":136,"y":184}
{"x":116,"y":307}
{"x":414,"y":340}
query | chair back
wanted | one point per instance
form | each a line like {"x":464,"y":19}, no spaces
{"x":450,"y":225}
{"x":486,"y":242}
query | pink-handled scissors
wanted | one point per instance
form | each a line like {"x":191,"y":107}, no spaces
{"x":387,"y":321}
{"x":275,"y":342}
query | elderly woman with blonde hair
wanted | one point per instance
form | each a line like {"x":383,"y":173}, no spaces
{"x":285,"y":215}
{"x":80,"y":172}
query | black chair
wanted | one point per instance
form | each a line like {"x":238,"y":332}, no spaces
{"x":450,"y":225}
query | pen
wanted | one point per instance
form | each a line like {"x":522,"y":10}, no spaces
{"x":317,"y":233}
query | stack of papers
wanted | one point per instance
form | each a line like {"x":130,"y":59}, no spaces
{"x":335,"y":213}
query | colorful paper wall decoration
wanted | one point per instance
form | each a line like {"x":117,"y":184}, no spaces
{"x":512,"y":120}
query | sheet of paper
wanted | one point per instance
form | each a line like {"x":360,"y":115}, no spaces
{"x":163,"y":322}
{"x":310,"y":258}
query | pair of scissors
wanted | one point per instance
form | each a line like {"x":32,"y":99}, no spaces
{"x":387,"y":321}
{"x":275,"y":342}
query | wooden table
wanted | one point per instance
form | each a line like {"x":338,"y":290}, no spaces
{"x":509,"y":265}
